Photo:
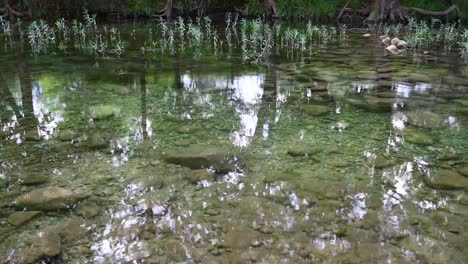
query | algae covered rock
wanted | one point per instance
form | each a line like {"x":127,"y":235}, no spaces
{"x":203,"y":156}
{"x":446,"y":180}
{"x":48,"y":199}
{"x":304,"y":151}
{"x":19,"y":218}
{"x":103,"y":111}
{"x":67,"y":135}
{"x":32,"y":178}
{"x":418,"y":138}
{"x":425,"y":119}
{"x":315,"y":110}
{"x":43,"y":244}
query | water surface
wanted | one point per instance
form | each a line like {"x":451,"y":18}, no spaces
{"x":341,"y":154}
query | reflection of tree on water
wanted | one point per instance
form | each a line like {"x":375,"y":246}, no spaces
{"x":144,"y":110}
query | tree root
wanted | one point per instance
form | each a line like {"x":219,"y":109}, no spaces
{"x":437,"y":13}
{"x":10,"y":9}
{"x":343,"y":10}
{"x":167,"y":11}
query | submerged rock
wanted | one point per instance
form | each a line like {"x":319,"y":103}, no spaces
{"x":32,"y":135}
{"x":418,"y":138}
{"x":203,"y":156}
{"x":425,"y":119}
{"x":304,"y":151}
{"x":48,"y":199}
{"x":381,"y":162}
{"x":87,"y":209}
{"x":67,"y":135}
{"x":315,"y":110}
{"x":200,"y":175}
{"x":463,"y":171}
{"x":31,"y":178}
{"x":175,"y":250}
{"x":19,"y":218}
{"x":44,"y":244}
{"x":103,"y":111}
{"x":446,"y":180}
{"x":96,"y":141}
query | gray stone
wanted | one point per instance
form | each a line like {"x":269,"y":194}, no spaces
{"x":425,"y":119}
{"x":446,"y":180}
{"x":203,"y":156}
{"x":402,"y":44}
{"x":393,"y":49}
{"x":19,"y":218}
{"x":395,"y":41}
{"x":48,"y":199}
{"x":386,"y":41}
{"x":315,"y":110}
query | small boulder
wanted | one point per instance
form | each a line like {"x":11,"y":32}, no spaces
{"x":303,"y":151}
{"x":31,"y":178}
{"x":48,"y":199}
{"x":463,"y":171}
{"x":99,"y":112}
{"x":402,"y":44}
{"x":446,"y":180}
{"x":393,"y":49}
{"x":395,"y":41}
{"x":87,"y":209}
{"x":19,"y":218}
{"x":67,"y":135}
{"x":44,"y":244}
{"x":202,"y":156}
{"x":418,"y":138}
{"x":96,"y":141}
{"x":386,"y":41}
{"x":200,"y":175}
{"x":315,"y":110}
{"x":366,"y":35}
{"x":425,"y":119}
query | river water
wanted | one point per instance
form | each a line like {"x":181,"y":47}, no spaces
{"x":339,"y":154}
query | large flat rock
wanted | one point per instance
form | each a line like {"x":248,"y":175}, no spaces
{"x":48,"y":199}
{"x":446,"y":180}
{"x":203,"y":156}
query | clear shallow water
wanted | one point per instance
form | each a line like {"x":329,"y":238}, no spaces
{"x":342,"y":155}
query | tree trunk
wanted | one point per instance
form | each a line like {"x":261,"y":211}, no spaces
{"x":270,"y":5}
{"x":392,"y":11}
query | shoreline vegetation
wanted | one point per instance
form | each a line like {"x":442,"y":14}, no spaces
{"x":371,"y":11}
{"x":257,"y":38}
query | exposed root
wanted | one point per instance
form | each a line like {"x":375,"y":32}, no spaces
{"x":437,"y":13}
{"x":10,"y":9}
{"x":343,"y":10}
{"x":167,"y":11}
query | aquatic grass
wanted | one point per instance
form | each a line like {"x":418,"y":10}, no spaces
{"x":6,"y":26}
